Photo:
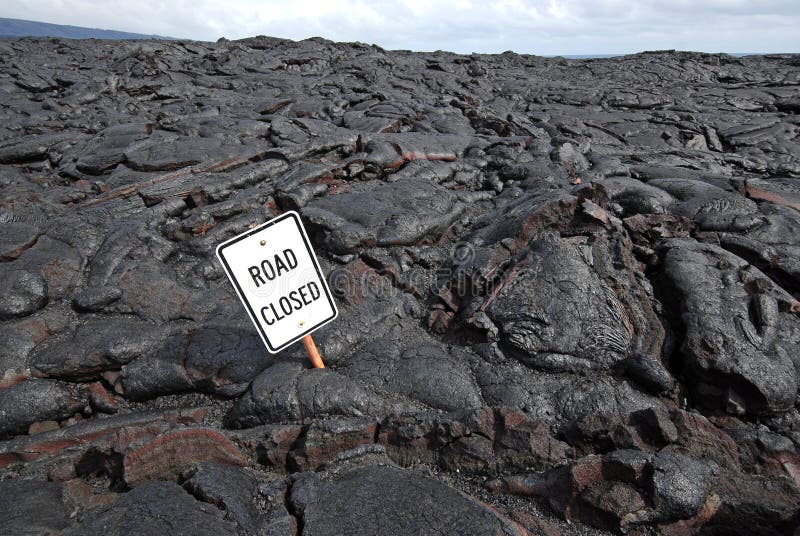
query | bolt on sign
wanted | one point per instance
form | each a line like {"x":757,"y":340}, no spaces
{"x":277,"y":277}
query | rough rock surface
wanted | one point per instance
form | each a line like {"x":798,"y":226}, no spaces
{"x":33,"y":507}
{"x":568,"y":291}
{"x":155,"y":508}
{"x":397,"y":500}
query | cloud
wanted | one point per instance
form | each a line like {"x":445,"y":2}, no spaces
{"x":529,"y":26}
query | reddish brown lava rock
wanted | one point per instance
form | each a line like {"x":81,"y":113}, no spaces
{"x":600,"y":433}
{"x":11,"y":379}
{"x":114,"y":433}
{"x":650,"y":227}
{"x":406,"y":440}
{"x":82,"y":494}
{"x":439,"y":320}
{"x":688,"y":527}
{"x":791,"y":464}
{"x":325,"y":439}
{"x":604,"y":503}
{"x":278,"y":443}
{"x":523,"y":442}
{"x":760,"y":194}
{"x":42,"y":426}
{"x":700,"y":438}
{"x":101,"y":400}
{"x":535,"y":525}
{"x":271,"y":443}
{"x":472,"y":453}
{"x":487,"y":440}
{"x":171,"y":453}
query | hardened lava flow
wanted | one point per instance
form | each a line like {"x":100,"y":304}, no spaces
{"x":567,"y":291}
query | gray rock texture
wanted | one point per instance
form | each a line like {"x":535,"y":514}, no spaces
{"x":568,"y":291}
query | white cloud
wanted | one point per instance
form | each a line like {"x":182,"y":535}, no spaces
{"x":530,"y":26}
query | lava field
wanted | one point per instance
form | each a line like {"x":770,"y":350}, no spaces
{"x":567,"y":291}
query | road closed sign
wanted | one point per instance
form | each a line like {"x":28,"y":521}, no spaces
{"x":277,"y":277}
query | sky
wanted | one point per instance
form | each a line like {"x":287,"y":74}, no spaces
{"x":543,"y":27}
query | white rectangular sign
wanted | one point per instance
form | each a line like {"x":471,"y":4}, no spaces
{"x":277,"y":277}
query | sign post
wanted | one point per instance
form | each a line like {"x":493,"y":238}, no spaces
{"x":278,"y":279}
{"x":313,"y":353}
